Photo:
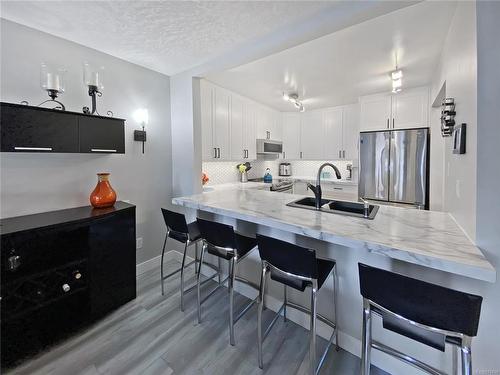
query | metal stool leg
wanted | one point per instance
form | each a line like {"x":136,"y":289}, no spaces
{"x":466,"y":356}
{"x":366,"y":340}
{"x":312,"y":343}
{"x":231,"y":299}
{"x":285,"y":301}
{"x":198,"y":282}
{"x":161,"y":267}
{"x":182,"y":275}
{"x":335,"y":299}
{"x":219,"y":264}
{"x":262,"y":290}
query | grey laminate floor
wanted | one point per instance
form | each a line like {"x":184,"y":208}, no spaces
{"x":150,"y":335}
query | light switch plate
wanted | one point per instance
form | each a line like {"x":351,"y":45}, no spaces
{"x":138,"y":243}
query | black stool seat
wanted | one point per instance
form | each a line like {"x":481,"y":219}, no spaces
{"x":192,"y":234}
{"x":430,"y":314}
{"x":243,"y":245}
{"x":325,"y":267}
{"x":222,"y":241}
{"x":188,"y":234}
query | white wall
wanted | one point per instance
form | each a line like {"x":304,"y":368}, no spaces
{"x":41,"y":182}
{"x":458,"y":68}
{"x":488,"y":176}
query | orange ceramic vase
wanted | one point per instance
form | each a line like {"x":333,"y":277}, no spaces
{"x":103,"y":194}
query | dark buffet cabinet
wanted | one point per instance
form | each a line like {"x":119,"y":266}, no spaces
{"x":60,"y":271}
{"x":34,"y":129}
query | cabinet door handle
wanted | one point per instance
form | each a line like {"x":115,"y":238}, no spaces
{"x":343,"y":154}
{"x":301,"y":154}
{"x":218,"y":152}
{"x":387,"y":123}
{"x":340,"y":154}
{"x":215,"y":152}
{"x":33,"y":148}
{"x":284,"y":155}
{"x":268,"y":134}
{"x":393,"y":123}
{"x":101,"y":150}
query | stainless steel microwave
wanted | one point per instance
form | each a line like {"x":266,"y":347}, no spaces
{"x":268,"y":146}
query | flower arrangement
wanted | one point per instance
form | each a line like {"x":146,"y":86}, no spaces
{"x":204,"y":178}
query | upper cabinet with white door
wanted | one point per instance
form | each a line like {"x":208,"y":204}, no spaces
{"x":215,"y":122}
{"x":410,"y":108}
{"x":291,"y":135}
{"x":268,"y":123}
{"x":312,"y":133}
{"x":375,"y":112}
{"x":229,"y":124}
{"x":407,"y":109}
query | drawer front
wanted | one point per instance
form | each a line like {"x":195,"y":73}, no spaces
{"x":102,"y":135}
{"x":31,"y":130}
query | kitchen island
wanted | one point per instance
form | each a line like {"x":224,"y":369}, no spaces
{"x":427,"y":238}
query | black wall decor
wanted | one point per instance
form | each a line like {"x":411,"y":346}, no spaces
{"x":33,"y":129}
{"x":447,"y":117}
{"x":61,"y":270}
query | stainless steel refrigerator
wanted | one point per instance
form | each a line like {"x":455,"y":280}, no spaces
{"x":394,"y":166}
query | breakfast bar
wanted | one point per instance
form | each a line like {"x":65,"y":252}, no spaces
{"x":426,"y":238}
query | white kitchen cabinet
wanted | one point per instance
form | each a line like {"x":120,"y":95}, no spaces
{"x":312,"y":135}
{"x":291,"y":135}
{"x":249,"y":130}
{"x":206,"y":103}
{"x":407,"y":109}
{"x":222,"y":123}
{"x":410,"y":108}
{"x":375,"y":112}
{"x":332,"y":140}
{"x":268,"y":123}
{"x":236,"y":115}
{"x":350,"y":132}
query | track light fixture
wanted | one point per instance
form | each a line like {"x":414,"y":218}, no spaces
{"x":294,"y":99}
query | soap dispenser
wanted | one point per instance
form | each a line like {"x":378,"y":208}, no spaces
{"x":267,"y":177}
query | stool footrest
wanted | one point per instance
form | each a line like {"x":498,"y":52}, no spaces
{"x":276,"y":316}
{"x":406,"y":358}
{"x":213,"y":291}
{"x":308,"y":311}
{"x":245,"y":309}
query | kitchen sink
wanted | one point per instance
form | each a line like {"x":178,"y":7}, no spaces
{"x":336,"y":207}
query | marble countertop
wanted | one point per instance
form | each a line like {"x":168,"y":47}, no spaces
{"x":427,"y":238}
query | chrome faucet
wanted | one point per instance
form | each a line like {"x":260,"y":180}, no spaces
{"x":366,"y":207}
{"x":317,"y":189}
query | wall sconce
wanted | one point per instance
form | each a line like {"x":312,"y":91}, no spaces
{"x":141,"y":116}
{"x":92,"y":78}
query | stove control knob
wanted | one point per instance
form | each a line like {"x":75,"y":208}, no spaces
{"x":77,"y":275}
{"x":66,"y":288}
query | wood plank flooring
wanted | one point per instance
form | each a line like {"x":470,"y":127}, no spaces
{"x":151,"y":336}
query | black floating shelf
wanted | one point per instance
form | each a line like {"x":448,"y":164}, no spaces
{"x":34,"y":129}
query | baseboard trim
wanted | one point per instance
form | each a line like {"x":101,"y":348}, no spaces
{"x":153,"y":263}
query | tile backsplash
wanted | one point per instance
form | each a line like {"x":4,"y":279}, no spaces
{"x":221,"y":172}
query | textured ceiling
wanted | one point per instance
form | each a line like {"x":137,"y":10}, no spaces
{"x":166,"y":36}
{"x":338,"y":68}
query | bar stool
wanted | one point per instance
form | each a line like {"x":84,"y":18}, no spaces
{"x":427,"y":313}
{"x":298,"y":268}
{"x":222,"y":241}
{"x":188,"y":234}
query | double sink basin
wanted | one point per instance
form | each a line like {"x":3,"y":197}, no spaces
{"x":336,"y":207}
